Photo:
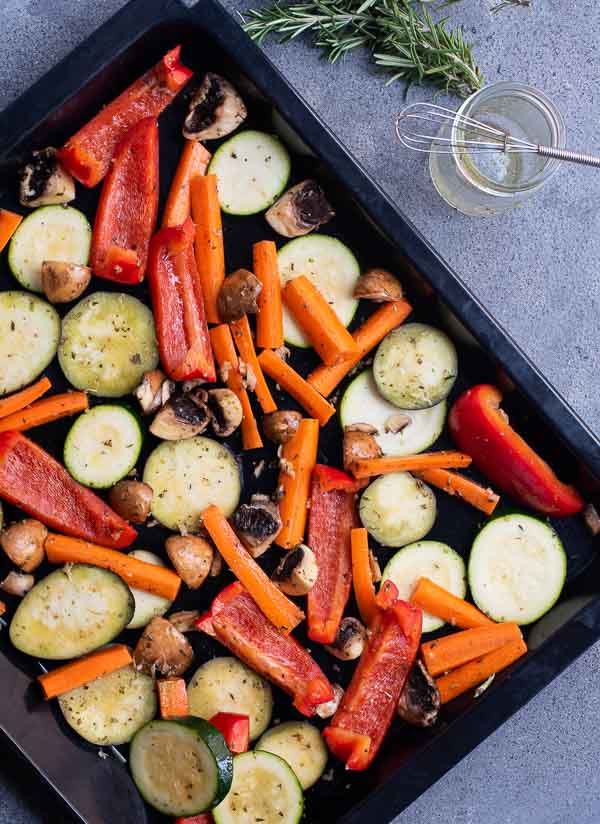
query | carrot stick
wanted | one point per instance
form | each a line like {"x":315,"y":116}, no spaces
{"x":328,"y":335}
{"x":367,"y":467}
{"x":485,"y":500}
{"x":242,"y":336}
{"x":325,"y":378}
{"x":46,"y":410}
{"x":224,"y":352}
{"x":269,"y":321}
{"x":136,"y":573}
{"x":295,"y":385}
{"x":193,"y":162}
{"x":454,"y":650}
{"x":83,"y":670}
{"x":172,"y":698}
{"x":364,"y":591}
{"x":441,"y":603}
{"x":475,"y":672}
{"x":8,"y":226}
{"x":210,"y":256}
{"x":2,"y":607}
{"x":278,"y":608}
{"x":298,"y":459}
{"x":23,"y":398}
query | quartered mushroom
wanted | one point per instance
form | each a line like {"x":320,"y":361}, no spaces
{"x":378,"y":285}
{"x":592,"y":519}
{"x":180,"y":418}
{"x":297,"y":572}
{"x":238,"y":295}
{"x":396,"y":423}
{"x":225,"y":411}
{"x":23,"y":542}
{"x":184,"y":621}
{"x":132,"y":500}
{"x":217,"y":564}
{"x":419,"y":702}
{"x":162,"y":650}
{"x":281,"y":426}
{"x":257,"y":524}
{"x":359,"y":445}
{"x":329,"y":708}
{"x":301,"y":209}
{"x":154,"y":391}
{"x":44,"y":182}
{"x":192,"y":558}
{"x":350,"y":640}
{"x":216,"y":109}
{"x":63,"y":282}
{"x":17,"y":583}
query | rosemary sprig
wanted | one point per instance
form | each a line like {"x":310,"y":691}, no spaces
{"x":506,"y":4}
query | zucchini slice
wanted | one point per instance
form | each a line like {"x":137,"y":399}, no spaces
{"x":226,"y":685}
{"x":333,"y":269}
{"x":181,"y":768}
{"x":397,"y":509}
{"x":301,"y":746}
{"x":49,"y":233}
{"x":252,"y":170}
{"x":264,"y":789}
{"x":111,"y":709}
{"x":108,"y":342}
{"x":362,"y":403}
{"x":103,"y":446}
{"x":517,"y":568}
{"x":415,"y":366}
{"x":147,"y":605}
{"x":29,"y":335}
{"x":70,"y":612}
{"x":427,"y":559}
{"x":189,"y":475}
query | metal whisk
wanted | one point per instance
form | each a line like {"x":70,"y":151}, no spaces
{"x":469,"y":136}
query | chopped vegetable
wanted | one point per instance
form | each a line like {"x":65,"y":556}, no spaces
{"x":23,"y":542}
{"x":300,"y":210}
{"x":147,"y":605}
{"x":226,"y":411}
{"x":295,"y":385}
{"x":301,"y":746}
{"x":439,"y":602}
{"x":172,"y":698}
{"x":19,"y":400}
{"x":44,"y":182}
{"x":132,"y":500}
{"x":45,"y":411}
{"x":297,"y":572}
{"x":238,"y":295}
{"x":281,"y":426}
{"x":8,"y":224}
{"x":17,"y":583}
{"x":162,"y":649}
{"x":257,"y":524}
{"x":181,"y":417}
{"x":452,"y":651}
{"x":468,"y":676}
{"x":397,"y":509}
{"x":362,"y":578}
{"x":419,"y":702}
{"x":362,"y":468}
{"x":210,"y":257}
{"x":298,"y":459}
{"x":242,"y":336}
{"x":378,"y":285}
{"x":191,"y":556}
{"x":63,"y":282}
{"x":216,"y":109}
{"x":193,"y":162}
{"x":75,"y":674}
{"x":454,"y":484}
{"x":269,"y":321}
{"x":234,"y":728}
{"x":349,"y":641}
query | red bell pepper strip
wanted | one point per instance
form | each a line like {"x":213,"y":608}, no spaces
{"x":234,"y":728}
{"x":332,"y":517}
{"x":126,"y":214}
{"x":369,"y":704}
{"x":32,"y":480}
{"x":237,"y":622}
{"x":201,"y":818}
{"x":87,"y":155}
{"x":481,"y":428}
{"x":176,"y":293}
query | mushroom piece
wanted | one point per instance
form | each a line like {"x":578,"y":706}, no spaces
{"x":44,"y":182}
{"x":329,"y":708}
{"x":184,"y":620}
{"x":419,"y":702}
{"x":154,"y":391}
{"x":257,"y":524}
{"x":301,"y":209}
{"x":191,"y":556}
{"x":350,"y":640}
{"x":281,"y":426}
{"x":16,"y":583}
{"x":368,"y":428}
{"x":359,"y":446}
{"x":181,"y":417}
{"x":23,"y":542}
{"x":378,"y":285}
{"x":216,"y":109}
{"x":225,"y":411}
{"x":297,"y":572}
{"x":162,"y":650}
{"x":592,"y":519}
{"x":132,"y":500}
{"x":63,"y":282}
{"x":217,"y":564}
{"x":396,"y":423}
{"x":238,"y":295}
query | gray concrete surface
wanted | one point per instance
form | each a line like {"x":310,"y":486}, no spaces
{"x":535,"y":269}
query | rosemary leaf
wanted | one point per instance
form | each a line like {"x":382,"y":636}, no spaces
{"x":506,"y":4}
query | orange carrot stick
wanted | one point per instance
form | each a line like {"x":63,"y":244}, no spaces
{"x":83,"y":670}
{"x":193,"y":162}
{"x":269,"y":321}
{"x":46,"y":410}
{"x":242,"y":336}
{"x":365,"y":468}
{"x":278,"y":608}
{"x":172,"y":698}
{"x":441,"y":603}
{"x":136,"y":573}
{"x":454,"y":484}
{"x":364,"y":591}
{"x":298,"y":459}
{"x":325,"y":378}
{"x":8,"y":225}
{"x":224,"y":352}
{"x":295,"y":385}
{"x":454,"y":650}
{"x":475,"y":672}
{"x":210,"y":256}
{"x":23,"y":398}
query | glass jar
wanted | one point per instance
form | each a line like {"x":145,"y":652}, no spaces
{"x":485,"y":183}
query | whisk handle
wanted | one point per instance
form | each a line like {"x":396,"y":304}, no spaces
{"x":569,"y":156}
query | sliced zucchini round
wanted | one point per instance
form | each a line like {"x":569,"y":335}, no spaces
{"x":70,"y":612}
{"x":397,"y":509}
{"x":362,"y":403}
{"x":415,"y":366}
{"x":147,"y":605}
{"x":103,"y":446}
{"x":227,"y":685}
{"x":181,"y":768}
{"x":108,"y":342}
{"x":333,"y":269}
{"x":427,"y":559}
{"x":29,"y":335}
{"x":189,"y":475}
{"x":252,"y":170}
{"x":301,"y":745}
{"x":49,"y":233}
{"x":517,"y":568}
{"x":111,"y":709}
{"x":264,"y":789}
